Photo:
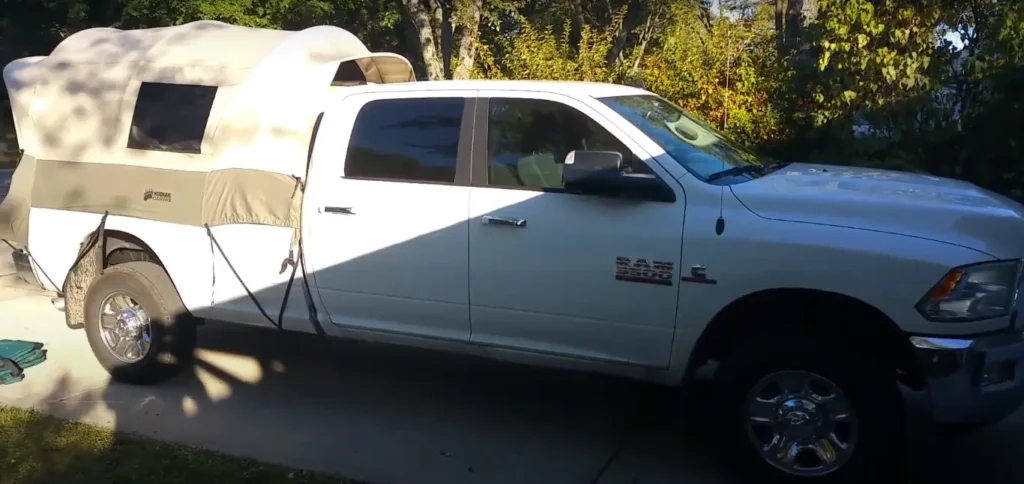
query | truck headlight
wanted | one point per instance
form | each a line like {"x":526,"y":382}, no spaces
{"x":974,"y":292}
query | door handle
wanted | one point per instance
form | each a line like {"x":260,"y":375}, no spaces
{"x":508,"y":222}
{"x":339,"y":210}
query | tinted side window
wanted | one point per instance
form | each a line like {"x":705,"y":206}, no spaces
{"x":406,"y":139}
{"x":171,"y":117}
{"x":528,"y":140}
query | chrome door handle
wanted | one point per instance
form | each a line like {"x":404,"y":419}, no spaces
{"x":508,"y":222}
{"x":340,"y":210}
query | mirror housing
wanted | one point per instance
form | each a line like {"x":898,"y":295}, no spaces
{"x":581,"y":164}
{"x":600,"y":173}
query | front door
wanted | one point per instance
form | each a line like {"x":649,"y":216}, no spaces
{"x":387,"y":235}
{"x":560,"y":273}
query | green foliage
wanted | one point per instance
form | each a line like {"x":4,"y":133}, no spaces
{"x":542,"y":54}
{"x":872,"y":53}
{"x":872,"y":82}
{"x":727,"y":71}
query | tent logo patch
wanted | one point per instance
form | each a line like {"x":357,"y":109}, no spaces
{"x":156,"y":196}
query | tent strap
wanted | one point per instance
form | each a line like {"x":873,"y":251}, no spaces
{"x":313,"y":319}
{"x":279,"y":323}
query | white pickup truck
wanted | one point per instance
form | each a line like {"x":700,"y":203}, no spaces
{"x":586,"y":226}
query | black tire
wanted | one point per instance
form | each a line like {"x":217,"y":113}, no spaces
{"x":172,"y":328}
{"x":125,"y":255}
{"x":957,"y":431}
{"x":871,"y":390}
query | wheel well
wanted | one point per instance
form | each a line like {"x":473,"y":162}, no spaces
{"x":865,"y":327}
{"x":124,"y":247}
{"x":120,"y":247}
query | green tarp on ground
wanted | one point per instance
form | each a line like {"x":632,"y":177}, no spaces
{"x":16,"y":356}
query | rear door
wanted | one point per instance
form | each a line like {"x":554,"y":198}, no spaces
{"x":386,"y":212}
{"x":554,"y":272}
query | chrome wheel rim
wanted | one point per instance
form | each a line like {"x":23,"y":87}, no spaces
{"x":801,"y":423}
{"x":125,"y":328}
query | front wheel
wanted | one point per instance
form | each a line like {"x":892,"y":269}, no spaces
{"x":807,"y":409}
{"x":136,"y":324}
{"x":957,"y":431}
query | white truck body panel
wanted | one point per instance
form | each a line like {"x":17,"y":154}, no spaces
{"x":546,"y":294}
{"x":583,"y":226}
{"x":910,"y":204}
{"x":399,"y":262}
{"x":543,"y":288}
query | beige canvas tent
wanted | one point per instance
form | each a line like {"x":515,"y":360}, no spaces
{"x":202,"y":123}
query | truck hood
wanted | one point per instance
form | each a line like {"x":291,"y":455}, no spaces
{"x":910,"y":204}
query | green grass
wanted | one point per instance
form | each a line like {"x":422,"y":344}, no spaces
{"x":37,"y":448}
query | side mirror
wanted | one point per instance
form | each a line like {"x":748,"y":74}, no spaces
{"x":581,"y":165}
{"x":600,"y":173}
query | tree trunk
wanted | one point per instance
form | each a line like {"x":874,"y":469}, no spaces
{"x":798,"y":14}
{"x":642,"y":19}
{"x":577,"y":21}
{"x":639,"y":57}
{"x":427,"y":38}
{"x":620,"y":36}
{"x":780,"y":27}
{"x":810,"y":11}
{"x":793,"y":21}
{"x":447,"y":32}
{"x":470,"y":39}
{"x":651,"y":25}
{"x":440,"y":23}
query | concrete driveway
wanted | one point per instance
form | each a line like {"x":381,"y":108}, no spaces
{"x":391,"y":415}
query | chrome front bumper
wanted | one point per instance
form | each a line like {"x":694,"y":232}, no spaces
{"x":972,"y":381}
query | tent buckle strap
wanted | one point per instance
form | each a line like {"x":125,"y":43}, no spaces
{"x":279,"y":324}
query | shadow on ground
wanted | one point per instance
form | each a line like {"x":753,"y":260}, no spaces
{"x":389,"y":414}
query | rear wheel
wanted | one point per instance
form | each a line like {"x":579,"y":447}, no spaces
{"x":127,"y":254}
{"x":808,"y":409}
{"x":957,"y":431}
{"x":136,"y":324}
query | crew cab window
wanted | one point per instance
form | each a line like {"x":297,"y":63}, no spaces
{"x":170,"y":117}
{"x":528,"y":140}
{"x":413,"y":140}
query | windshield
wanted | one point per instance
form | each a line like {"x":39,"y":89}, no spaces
{"x":697,"y":146}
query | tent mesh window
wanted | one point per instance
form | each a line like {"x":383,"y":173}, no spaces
{"x":348,"y":74}
{"x":171,"y":117}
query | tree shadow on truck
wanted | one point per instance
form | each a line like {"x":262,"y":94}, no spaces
{"x":407,"y":415}
{"x":396,"y":414}
{"x":385,"y":414}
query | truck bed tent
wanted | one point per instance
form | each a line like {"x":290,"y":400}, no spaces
{"x":204,"y":123}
